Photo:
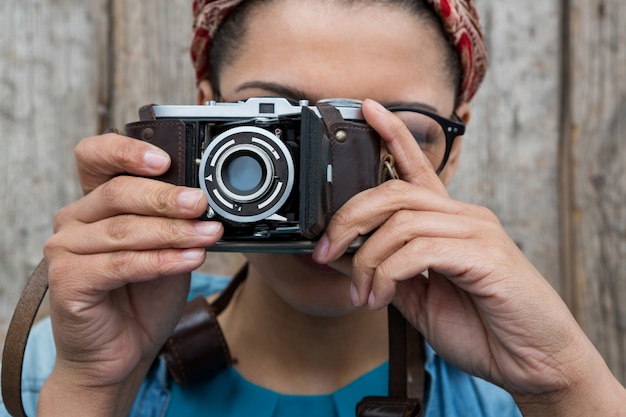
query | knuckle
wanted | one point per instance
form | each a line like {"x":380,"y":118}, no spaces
{"x":400,"y":225}
{"x":384,"y":272}
{"x":161,"y":263}
{"x":85,"y":148}
{"x":110,"y":191}
{"x":484,"y":213}
{"x":120,"y":263}
{"x":170,"y":231}
{"x":401,"y":218}
{"x":61,"y":218}
{"x":162,"y":200}
{"x":479,"y":212}
{"x":395,"y":187}
{"x":125,"y":153}
{"x":171,"y":228}
{"x":119,"y":228}
{"x":343,"y":215}
{"x":58,"y":271}
{"x":52,"y":246}
{"x":141,"y":265}
{"x":489,"y":215}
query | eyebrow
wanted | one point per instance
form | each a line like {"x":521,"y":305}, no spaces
{"x":295,"y":94}
{"x":411,"y":104}
{"x":277,"y":89}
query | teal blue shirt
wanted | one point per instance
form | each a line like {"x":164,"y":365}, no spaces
{"x":451,"y":393}
{"x":231,"y":395}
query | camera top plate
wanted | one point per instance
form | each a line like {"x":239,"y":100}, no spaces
{"x":256,"y":107}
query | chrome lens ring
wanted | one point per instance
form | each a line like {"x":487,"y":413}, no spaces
{"x":266,"y":197}
{"x":244,"y":193}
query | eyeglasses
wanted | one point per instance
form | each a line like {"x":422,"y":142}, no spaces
{"x":434,"y":134}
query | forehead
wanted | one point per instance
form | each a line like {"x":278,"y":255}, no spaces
{"x":323,"y":49}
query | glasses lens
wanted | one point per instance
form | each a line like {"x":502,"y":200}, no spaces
{"x":428,"y":133}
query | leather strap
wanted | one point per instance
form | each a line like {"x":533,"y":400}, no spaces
{"x":17,"y":336}
{"x":406,"y":373}
{"x":197,"y":349}
{"x":406,"y":364}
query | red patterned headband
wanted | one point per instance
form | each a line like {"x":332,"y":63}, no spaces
{"x":459,"y":17}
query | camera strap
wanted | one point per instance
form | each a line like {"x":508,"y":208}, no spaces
{"x":17,"y":336}
{"x":407,"y":376}
{"x":197,"y":349}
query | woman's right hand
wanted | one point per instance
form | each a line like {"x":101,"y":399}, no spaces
{"x":119,"y":264}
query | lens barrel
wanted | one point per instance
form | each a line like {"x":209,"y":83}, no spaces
{"x":247,"y":174}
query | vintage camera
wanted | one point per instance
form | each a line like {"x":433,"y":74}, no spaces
{"x":273,"y":170}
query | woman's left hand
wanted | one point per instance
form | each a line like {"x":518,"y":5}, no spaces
{"x":458,"y":277}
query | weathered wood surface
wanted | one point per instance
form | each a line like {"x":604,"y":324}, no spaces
{"x":544,"y":148}
{"x":50,"y":84}
{"x":597,"y":134}
{"x":508,"y":161}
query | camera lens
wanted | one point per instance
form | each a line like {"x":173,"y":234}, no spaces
{"x":243,"y":173}
{"x":247,"y":174}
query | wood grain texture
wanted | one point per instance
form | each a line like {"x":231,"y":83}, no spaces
{"x":508,"y":162}
{"x":598,"y":126}
{"x":150,"y":53}
{"x":50,"y":72}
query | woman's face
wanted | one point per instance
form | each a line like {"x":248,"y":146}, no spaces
{"x":321,"y":49}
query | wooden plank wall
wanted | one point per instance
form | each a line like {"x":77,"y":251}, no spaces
{"x":51,"y":85}
{"x":596,"y":141}
{"x":543,"y":150}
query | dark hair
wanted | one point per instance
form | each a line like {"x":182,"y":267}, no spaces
{"x":227,"y":39}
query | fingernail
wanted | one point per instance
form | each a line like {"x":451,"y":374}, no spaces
{"x":189,"y":198}
{"x":372,"y":299}
{"x":156,"y":159}
{"x":208,"y":228}
{"x":193,"y":254}
{"x":377,"y":106}
{"x":321,"y":249}
{"x":354,"y":295}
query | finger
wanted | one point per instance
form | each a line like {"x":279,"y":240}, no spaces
{"x":133,"y":232}
{"x":477,"y":265}
{"x":412,"y":165}
{"x":369,"y":209}
{"x":134,"y":195}
{"x":415,"y":229}
{"x":98,"y":274}
{"x":411,"y":261}
{"x":403,"y":227}
{"x":100,"y":158}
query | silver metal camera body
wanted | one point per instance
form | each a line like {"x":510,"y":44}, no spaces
{"x":274,"y":171}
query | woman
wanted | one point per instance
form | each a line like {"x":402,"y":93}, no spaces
{"x":306,"y":329}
